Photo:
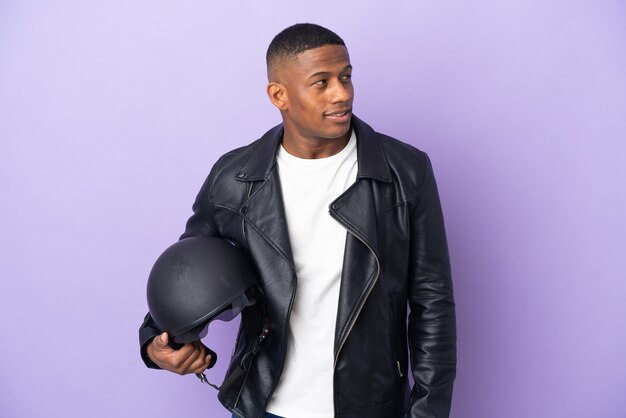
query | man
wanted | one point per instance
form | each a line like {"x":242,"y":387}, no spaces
{"x":345,"y":228}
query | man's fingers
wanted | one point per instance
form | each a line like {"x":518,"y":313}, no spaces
{"x":201,"y":363}
{"x":191,"y":358}
{"x":188,"y":362}
{"x":204,"y":365}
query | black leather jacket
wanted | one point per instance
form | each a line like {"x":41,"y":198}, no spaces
{"x":395,"y":255}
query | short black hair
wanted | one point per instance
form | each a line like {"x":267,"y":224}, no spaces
{"x":299,"y":38}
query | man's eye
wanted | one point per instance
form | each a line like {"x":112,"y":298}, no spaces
{"x":347,"y":77}
{"x":320,"y":83}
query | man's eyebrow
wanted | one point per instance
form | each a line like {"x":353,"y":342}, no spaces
{"x":320,"y":73}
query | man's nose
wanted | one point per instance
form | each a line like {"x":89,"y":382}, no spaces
{"x":340,"y":92}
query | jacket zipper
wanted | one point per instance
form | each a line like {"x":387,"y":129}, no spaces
{"x":369,"y":290}
{"x":358,"y":311}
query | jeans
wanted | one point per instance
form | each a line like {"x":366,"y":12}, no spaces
{"x":267,"y":415}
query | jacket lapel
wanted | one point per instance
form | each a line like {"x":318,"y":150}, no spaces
{"x":263,"y":209}
{"x":265,"y":212}
{"x":355,"y":209}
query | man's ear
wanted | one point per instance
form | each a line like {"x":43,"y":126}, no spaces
{"x":278,"y":95}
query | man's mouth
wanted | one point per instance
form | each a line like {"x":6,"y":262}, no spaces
{"x":339,"y":116}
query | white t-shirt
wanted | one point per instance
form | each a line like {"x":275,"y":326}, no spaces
{"x":317,"y":241}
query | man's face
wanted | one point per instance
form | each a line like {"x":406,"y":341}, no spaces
{"x":318,"y":93}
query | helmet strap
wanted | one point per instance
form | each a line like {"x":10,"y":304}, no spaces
{"x":246,"y":360}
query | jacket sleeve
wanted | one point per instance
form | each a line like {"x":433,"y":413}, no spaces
{"x":432,"y":324}
{"x":200,"y":223}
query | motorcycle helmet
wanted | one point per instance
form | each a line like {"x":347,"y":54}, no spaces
{"x":198,"y":280}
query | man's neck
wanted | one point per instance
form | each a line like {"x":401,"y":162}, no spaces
{"x":314,"y":148}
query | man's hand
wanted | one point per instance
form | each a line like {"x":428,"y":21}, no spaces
{"x":192,"y":358}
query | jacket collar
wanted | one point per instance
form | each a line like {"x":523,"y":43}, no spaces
{"x":372,"y":162}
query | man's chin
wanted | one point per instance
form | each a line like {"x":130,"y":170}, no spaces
{"x":339,"y":132}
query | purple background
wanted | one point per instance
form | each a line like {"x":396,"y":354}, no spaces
{"x":112,"y":113}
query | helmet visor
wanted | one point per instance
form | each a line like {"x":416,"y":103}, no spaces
{"x":227,"y":314}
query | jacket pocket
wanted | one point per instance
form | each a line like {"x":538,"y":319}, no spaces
{"x":238,"y":373}
{"x":395,"y":352}
{"x":245,"y":379}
